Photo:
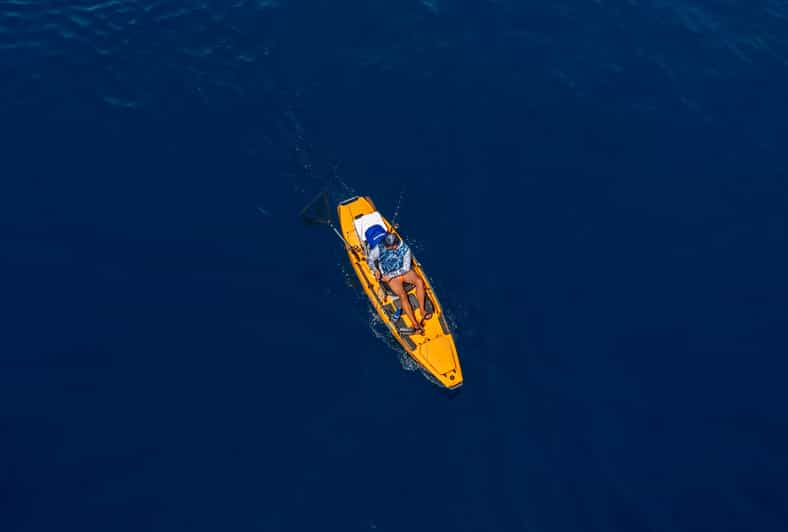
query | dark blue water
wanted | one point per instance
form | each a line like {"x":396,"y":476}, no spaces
{"x":597,"y":189}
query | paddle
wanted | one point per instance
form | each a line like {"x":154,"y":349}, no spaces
{"x":317,"y":212}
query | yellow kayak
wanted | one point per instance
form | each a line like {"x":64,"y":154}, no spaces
{"x":434,"y":350}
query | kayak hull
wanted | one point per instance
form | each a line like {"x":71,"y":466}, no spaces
{"x":435,"y":350}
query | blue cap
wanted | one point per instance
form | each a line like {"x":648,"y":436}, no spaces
{"x":374,"y":234}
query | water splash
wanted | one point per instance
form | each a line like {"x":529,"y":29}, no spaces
{"x":432,"y":6}
{"x":382,"y":333}
{"x":381,"y":330}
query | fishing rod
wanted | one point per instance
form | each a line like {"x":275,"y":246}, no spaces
{"x":399,"y":204}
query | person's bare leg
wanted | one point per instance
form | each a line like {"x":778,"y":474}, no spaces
{"x":415,"y":280}
{"x":397,"y":288}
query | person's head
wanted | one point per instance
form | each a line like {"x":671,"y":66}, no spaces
{"x":375,"y":235}
{"x":391,"y":240}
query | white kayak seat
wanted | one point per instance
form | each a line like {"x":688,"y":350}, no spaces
{"x":362,"y":223}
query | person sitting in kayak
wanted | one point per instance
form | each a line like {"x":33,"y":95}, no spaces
{"x":390,"y":260}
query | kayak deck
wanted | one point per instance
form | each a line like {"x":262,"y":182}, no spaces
{"x":434,"y":350}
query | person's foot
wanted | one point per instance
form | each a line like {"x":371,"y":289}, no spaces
{"x":424,"y":318}
{"x":413,"y":330}
{"x":418,"y":327}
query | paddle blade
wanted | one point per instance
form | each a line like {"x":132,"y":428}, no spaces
{"x":317,"y":211}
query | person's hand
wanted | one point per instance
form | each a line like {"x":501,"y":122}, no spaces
{"x":386,"y":278}
{"x":377,"y":275}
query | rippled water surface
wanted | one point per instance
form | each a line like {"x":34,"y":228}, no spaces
{"x":597,"y":189}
